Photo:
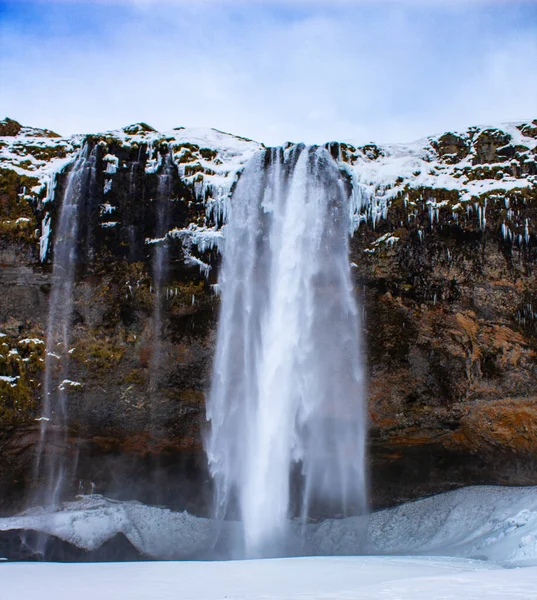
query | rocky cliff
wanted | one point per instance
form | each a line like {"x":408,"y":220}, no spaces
{"x":443,"y":252}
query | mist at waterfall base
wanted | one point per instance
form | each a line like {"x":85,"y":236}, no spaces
{"x":286,"y":407}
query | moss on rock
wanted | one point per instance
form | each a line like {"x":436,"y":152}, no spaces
{"x":9,"y":127}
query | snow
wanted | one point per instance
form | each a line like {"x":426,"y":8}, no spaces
{"x":495,"y":523}
{"x":387,"y":239}
{"x":45,"y":236}
{"x":112,"y":163}
{"x":210,"y":162}
{"x":203,"y":238}
{"x":203,"y":267}
{"x":92,"y":520}
{"x":16,"y":154}
{"x":107,"y":186}
{"x":387,"y":176}
{"x":498,"y":524}
{"x":107,"y":209}
{"x":327,"y":578}
{"x":68,"y":382}
{"x":214,"y":181}
{"x":377,"y":180}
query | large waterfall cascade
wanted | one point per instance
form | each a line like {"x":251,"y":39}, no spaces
{"x":54,"y":465}
{"x":286,"y":408}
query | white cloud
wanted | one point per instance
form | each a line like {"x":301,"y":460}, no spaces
{"x":311,"y":75}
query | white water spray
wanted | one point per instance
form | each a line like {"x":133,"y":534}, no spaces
{"x":286,"y":408}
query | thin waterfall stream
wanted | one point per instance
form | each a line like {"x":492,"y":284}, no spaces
{"x":160,"y":264}
{"x":286,"y":408}
{"x":54,"y":465}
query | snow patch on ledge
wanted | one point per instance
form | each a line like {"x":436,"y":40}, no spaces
{"x":68,"y":383}
{"x":31,"y":341}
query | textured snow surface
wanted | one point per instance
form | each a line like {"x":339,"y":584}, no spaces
{"x":91,"y":521}
{"x":493,"y":523}
{"x":418,"y":165}
{"x":344,"y":578}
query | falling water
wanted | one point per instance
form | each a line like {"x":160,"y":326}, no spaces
{"x":160,"y":264}
{"x":286,"y":407}
{"x":53,"y":458}
{"x":131,"y":228}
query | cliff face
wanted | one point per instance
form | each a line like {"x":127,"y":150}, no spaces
{"x":443,"y":256}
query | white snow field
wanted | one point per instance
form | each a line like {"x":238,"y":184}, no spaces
{"x":341,"y":578}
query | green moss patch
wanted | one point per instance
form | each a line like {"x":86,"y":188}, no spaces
{"x":21,"y":366}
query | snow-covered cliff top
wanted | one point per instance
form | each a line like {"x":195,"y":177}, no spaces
{"x":453,"y":171}
{"x":473,"y":162}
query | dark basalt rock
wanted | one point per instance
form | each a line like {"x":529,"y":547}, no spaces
{"x":492,"y":146}
{"x":10,"y":127}
{"x":452,"y":148}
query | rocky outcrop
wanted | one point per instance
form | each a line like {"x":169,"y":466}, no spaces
{"x":443,"y":254}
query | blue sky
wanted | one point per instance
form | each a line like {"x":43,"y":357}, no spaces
{"x":271,"y":70}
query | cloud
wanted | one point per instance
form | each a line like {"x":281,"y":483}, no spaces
{"x":270,"y":71}
{"x":308,"y":3}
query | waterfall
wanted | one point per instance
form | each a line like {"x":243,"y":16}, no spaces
{"x":286,"y":408}
{"x":160,"y":264}
{"x":54,"y":460}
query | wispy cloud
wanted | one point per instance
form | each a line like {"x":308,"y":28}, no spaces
{"x":270,"y":70}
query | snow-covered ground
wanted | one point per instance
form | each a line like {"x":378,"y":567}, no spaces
{"x":341,"y":578}
{"x":438,"y":540}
